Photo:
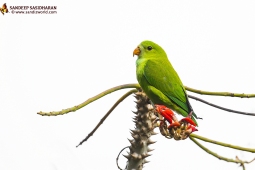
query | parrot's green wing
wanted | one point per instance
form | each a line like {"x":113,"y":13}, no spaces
{"x":162,"y":76}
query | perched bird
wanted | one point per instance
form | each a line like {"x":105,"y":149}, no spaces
{"x":159,"y":80}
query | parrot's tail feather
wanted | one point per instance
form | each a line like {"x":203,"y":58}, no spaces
{"x":194,"y":114}
{"x":193,"y":118}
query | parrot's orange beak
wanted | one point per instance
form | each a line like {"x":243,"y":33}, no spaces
{"x":136,"y":51}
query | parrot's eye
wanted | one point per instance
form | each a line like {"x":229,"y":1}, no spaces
{"x":149,"y":48}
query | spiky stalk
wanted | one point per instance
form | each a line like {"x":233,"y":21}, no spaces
{"x":144,"y":128}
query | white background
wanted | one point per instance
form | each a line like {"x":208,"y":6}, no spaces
{"x":52,"y":62}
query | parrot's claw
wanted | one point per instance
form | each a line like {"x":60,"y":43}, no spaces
{"x":179,"y":130}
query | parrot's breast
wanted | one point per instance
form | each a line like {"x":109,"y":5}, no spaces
{"x":140,"y":64}
{"x":140,"y":61}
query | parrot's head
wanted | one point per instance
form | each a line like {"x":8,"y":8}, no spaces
{"x":149,"y":49}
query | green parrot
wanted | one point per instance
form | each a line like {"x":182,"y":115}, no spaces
{"x":159,"y":80}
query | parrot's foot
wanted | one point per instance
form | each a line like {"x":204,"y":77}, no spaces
{"x":190,"y":114}
{"x":170,"y":127}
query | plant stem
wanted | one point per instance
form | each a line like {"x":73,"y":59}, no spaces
{"x":242,"y":95}
{"x":222,"y":144}
{"x":90,"y":100}
{"x":237,"y":160}
{"x":107,"y":114}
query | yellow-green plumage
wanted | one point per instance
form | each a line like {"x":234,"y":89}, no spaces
{"x":159,"y":80}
